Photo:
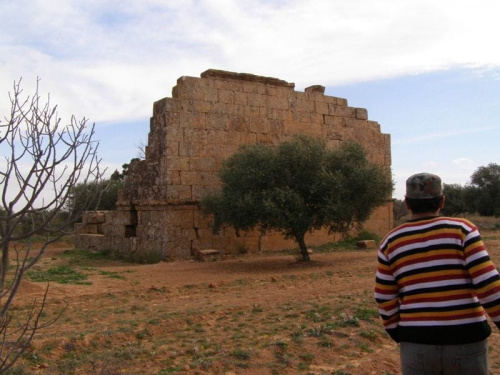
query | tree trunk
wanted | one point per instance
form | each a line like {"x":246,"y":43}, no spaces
{"x":303,"y":248}
{"x":4,"y":265}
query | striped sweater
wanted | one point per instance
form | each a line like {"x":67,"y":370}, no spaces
{"x":435,"y":283}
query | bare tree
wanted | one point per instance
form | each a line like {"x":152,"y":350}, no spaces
{"x":41,"y":161}
{"x":141,"y":150}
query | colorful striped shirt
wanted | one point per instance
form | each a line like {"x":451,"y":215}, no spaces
{"x":435,"y":283}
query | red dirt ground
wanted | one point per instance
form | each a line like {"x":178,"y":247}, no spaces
{"x":217,"y":297}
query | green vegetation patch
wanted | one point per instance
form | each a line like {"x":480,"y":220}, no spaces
{"x":59,"y":274}
{"x":112,"y":275}
{"x":76,"y":256}
{"x":79,"y":256}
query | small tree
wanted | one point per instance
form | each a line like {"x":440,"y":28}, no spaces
{"x":455,"y":199}
{"x":42,"y":162}
{"x":101,"y":195}
{"x":485,"y":183}
{"x":297,"y":187}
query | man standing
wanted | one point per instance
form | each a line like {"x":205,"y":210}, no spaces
{"x":435,"y":283}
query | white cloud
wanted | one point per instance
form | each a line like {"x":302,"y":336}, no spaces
{"x":111,"y":60}
{"x":463,"y":163}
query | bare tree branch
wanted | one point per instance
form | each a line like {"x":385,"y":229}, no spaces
{"x":141,"y":149}
{"x":41,"y":161}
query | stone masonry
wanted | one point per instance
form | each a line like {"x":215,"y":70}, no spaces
{"x":191,"y":134}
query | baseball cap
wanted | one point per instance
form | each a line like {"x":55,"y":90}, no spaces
{"x":423,"y":186}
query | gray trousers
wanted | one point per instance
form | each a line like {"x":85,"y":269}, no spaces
{"x":468,"y":359}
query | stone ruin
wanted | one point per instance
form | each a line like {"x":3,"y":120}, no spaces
{"x":191,"y":134}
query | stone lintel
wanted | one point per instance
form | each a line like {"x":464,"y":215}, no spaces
{"x":214,"y":73}
{"x":94,"y":217}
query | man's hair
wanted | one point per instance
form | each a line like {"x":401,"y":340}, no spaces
{"x":421,"y":206}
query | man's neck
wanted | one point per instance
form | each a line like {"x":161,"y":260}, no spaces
{"x":424,"y":214}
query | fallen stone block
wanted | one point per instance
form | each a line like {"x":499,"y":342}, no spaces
{"x":208,"y":255}
{"x":366,"y":244}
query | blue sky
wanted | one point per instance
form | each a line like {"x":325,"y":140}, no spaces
{"x":427,"y":71}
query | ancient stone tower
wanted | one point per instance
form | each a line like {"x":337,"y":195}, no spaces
{"x":192,"y":133}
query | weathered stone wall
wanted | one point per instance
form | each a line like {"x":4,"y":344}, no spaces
{"x":191,"y":134}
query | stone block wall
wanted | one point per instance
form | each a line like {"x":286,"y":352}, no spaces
{"x":204,"y":122}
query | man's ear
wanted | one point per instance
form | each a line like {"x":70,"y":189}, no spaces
{"x":407,"y":205}
{"x":441,"y":204}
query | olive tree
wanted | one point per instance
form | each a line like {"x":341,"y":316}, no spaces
{"x":296,"y":187}
{"x":41,"y":162}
